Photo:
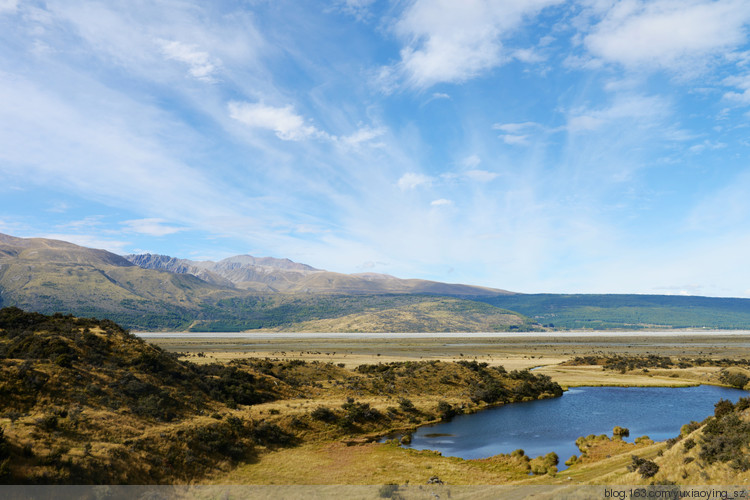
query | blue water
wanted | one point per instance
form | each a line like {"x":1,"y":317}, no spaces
{"x":539,"y":427}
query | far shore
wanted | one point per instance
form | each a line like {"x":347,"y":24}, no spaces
{"x":583,"y":334}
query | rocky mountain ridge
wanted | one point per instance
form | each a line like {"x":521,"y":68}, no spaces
{"x":271,"y":275}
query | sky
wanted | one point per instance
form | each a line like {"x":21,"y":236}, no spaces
{"x":589,"y":146}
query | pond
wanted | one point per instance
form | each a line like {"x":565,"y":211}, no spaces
{"x":539,"y":427}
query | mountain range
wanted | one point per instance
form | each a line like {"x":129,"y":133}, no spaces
{"x":270,"y":275}
{"x":159,"y":292}
{"x":162,"y":292}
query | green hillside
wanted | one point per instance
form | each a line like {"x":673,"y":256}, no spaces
{"x":631,"y":312}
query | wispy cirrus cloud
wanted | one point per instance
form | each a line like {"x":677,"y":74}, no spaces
{"x":201,"y":65}
{"x":517,"y":134}
{"x":362,"y":136}
{"x":410,"y":180}
{"x":288,"y":125}
{"x":441,"y":202}
{"x":151,"y":227}
{"x":645,"y":109}
{"x":8,"y":6}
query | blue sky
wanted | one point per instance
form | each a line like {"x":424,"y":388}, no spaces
{"x":539,"y":146}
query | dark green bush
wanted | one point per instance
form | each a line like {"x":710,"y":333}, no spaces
{"x":722,"y":408}
{"x":446,"y":411}
{"x":689,"y":444}
{"x":646,"y":468}
{"x":735,"y":379}
{"x":406,"y":405}
{"x":324,"y":414}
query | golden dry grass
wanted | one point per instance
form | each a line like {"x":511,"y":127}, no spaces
{"x":328,"y":460}
{"x":372,"y":463}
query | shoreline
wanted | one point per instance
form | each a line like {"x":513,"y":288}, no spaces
{"x":568,"y":334}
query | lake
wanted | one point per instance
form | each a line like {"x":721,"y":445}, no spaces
{"x":539,"y":427}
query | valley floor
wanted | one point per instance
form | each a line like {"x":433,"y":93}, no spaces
{"x":333,"y":460}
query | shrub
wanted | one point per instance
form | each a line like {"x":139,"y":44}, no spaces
{"x":688,"y":428}
{"x":620,"y":432}
{"x":724,"y":438}
{"x":48,"y":422}
{"x":271,"y":434}
{"x":324,"y":414}
{"x":646,"y":468}
{"x":388,"y":490}
{"x":446,"y":411}
{"x":689,"y":444}
{"x":360,"y":412}
{"x":722,"y":408}
{"x":406,"y":405}
{"x":545,"y":465}
{"x":735,"y":379}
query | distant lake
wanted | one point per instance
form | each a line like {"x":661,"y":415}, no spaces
{"x":539,"y":427}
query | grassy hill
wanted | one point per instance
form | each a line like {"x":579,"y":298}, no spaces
{"x":84,"y":402}
{"x":426,"y":315}
{"x":357,"y":313}
{"x":630,"y":312}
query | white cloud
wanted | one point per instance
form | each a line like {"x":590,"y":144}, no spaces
{"x":522,"y":140}
{"x":639,"y":108}
{"x":442,"y":202}
{"x":517,"y":134}
{"x":359,"y":9}
{"x":741,"y":82}
{"x":287,"y":125}
{"x":578,"y":123}
{"x":481,"y":175}
{"x":448,"y":41}
{"x":738,"y":97}
{"x":202,"y":67}
{"x":514,"y":128}
{"x":8,"y":5}
{"x":528,"y":55}
{"x":706,"y":145}
{"x":472,"y":161}
{"x":675,"y":34}
{"x":59,"y":207}
{"x":150,"y":227}
{"x":362,"y":135}
{"x":411,"y":180}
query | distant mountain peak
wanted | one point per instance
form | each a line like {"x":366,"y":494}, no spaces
{"x":269,"y":274}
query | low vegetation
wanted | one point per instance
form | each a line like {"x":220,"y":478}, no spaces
{"x":627,"y":312}
{"x":84,"y":401}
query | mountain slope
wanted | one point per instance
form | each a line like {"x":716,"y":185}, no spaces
{"x":267,"y":274}
{"x":54,"y":276}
